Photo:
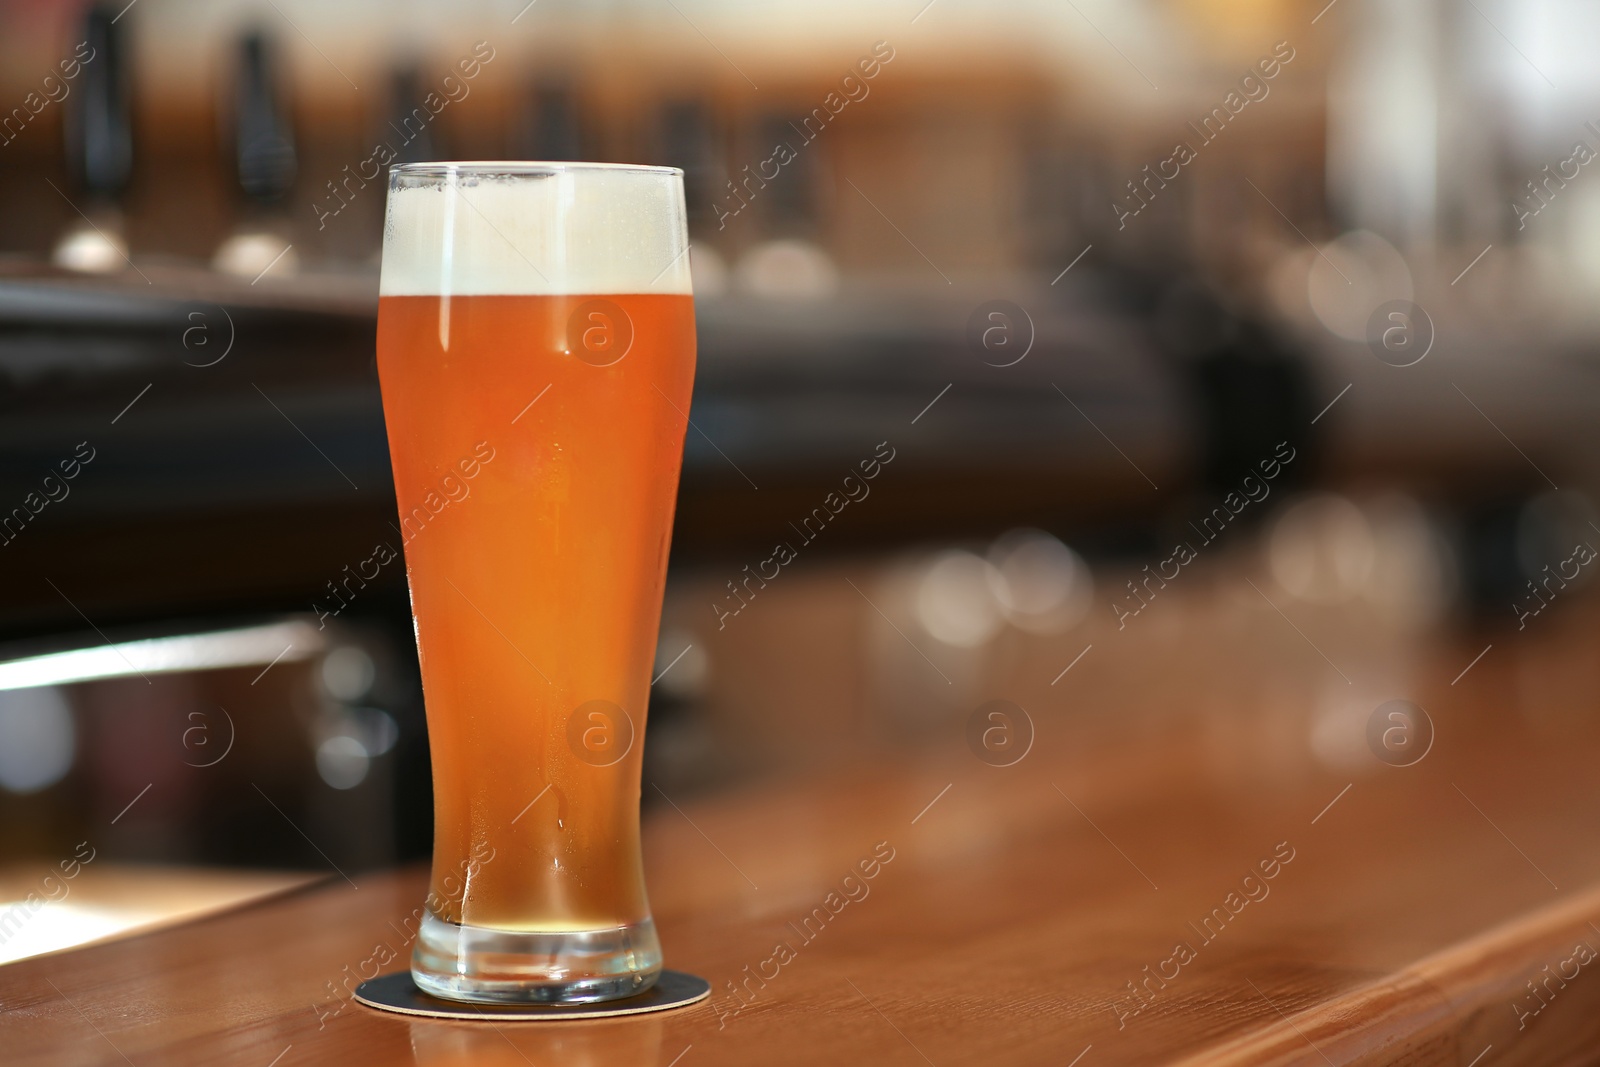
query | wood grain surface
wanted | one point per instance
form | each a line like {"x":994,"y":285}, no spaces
{"x":1199,"y":861}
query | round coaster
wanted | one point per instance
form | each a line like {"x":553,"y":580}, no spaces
{"x":397,"y":992}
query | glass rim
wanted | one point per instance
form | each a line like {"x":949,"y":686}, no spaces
{"x":516,"y":167}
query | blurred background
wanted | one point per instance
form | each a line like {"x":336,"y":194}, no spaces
{"x":1311,"y":290}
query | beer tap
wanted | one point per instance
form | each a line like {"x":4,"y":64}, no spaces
{"x":97,"y":131}
{"x":264,"y":155}
{"x":788,"y":264}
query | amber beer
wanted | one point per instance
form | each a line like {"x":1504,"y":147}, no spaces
{"x":536,"y":352}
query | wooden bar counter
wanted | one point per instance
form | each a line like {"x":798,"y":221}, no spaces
{"x":1199,"y":860}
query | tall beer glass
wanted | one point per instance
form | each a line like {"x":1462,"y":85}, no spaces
{"x":536,"y":350}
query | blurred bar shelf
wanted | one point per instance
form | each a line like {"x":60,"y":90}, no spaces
{"x":246,"y":480}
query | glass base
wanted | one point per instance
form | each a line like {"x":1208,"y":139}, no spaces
{"x":478,"y":963}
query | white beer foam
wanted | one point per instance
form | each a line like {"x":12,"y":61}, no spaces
{"x":587,"y":229}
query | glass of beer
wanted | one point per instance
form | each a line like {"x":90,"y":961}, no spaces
{"x":536,"y":350}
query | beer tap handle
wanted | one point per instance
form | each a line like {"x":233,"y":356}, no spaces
{"x":408,"y":119}
{"x":100,"y":141}
{"x":263,"y":140}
